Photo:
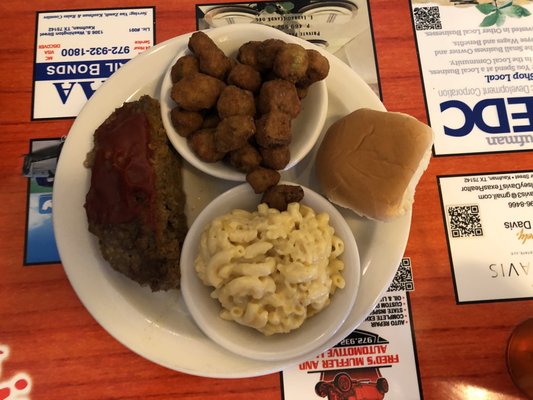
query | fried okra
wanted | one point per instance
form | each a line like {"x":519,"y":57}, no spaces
{"x":247,"y":54}
{"x":184,"y":66}
{"x":275,"y":157}
{"x":202,"y":143}
{"x":267,"y":52}
{"x":261,"y":179}
{"x":280,"y":196}
{"x":273,"y":129}
{"x":245,"y":158}
{"x":197,"y":92}
{"x":279,"y":95}
{"x":211,"y":59}
{"x":211,"y":119}
{"x":302,"y":91}
{"x":235,"y":101}
{"x":318,"y":68}
{"x":245,"y":77}
{"x":233,"y":132}
{"x":185,"y":122}
{"x":291,"y":62}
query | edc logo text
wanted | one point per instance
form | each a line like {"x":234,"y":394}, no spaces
{"x":506,"y":116}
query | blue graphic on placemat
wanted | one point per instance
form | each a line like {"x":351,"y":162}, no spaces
{"x":40,"y":242}
{"x":39,"y":166}
{"x":45,"y":203}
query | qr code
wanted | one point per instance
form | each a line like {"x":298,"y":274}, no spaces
{"x":403,"y":280}
{"x":427,"y":18}
{"x":465,"y":221}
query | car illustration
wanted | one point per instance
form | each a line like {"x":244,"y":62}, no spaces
{"x":41,"y":164}
{"x":354,"y":384}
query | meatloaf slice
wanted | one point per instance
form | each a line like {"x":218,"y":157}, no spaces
{"x":135,"y":204}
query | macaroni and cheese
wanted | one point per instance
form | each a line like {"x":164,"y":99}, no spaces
{"x":271,"y":270}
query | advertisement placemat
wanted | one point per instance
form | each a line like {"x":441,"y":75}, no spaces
{"x":376,"y":361}
{"x":76,"y":51}
{"x":342,"y":28}
{"x":476,"y":60}
{"x":39,"y":167}
{"x":489,"y":228}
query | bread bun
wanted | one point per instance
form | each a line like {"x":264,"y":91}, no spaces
{"x":371,"y":161}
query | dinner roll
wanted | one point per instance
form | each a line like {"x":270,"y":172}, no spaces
{"x":371,"y":161}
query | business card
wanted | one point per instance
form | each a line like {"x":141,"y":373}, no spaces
{"x":76,"y":51}
{"x":342,"y":27}
{"x":39,"y":167}
{"x":376,"y":361}
{"x":489,"y":230}
{"x":476,"y":61}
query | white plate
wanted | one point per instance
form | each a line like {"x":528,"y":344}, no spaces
{"x":158,"y":326}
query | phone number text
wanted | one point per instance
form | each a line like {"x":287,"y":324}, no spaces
{"x":94,"y":51}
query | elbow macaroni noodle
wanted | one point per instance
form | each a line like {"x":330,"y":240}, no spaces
{"x":271,"y":270}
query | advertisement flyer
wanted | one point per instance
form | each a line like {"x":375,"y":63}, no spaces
{"x":76,"y":51}
{"x":341,"y":27}
{"x":376,"y":361}
{"x":489,"y":229}
{"x":39,"y":167}
{"x":476,"y":60}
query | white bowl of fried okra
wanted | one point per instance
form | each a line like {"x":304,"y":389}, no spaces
{"x":245,"y":100}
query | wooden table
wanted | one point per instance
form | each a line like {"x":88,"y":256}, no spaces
{"x":51,"y":336}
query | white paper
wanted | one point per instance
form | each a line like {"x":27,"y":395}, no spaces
{"x":378,"y":356}
{"x":477,"y":69}
{"x":489,"y":226}
{"x":342,"y":28}
{"x":76,"y":51}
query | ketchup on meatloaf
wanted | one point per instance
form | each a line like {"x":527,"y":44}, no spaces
{"x":135,"y":204}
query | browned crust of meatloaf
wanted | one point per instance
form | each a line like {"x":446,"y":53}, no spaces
{"x":149,"y":253}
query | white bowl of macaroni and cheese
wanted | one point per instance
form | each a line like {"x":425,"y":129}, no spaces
{"x":265,"y":284}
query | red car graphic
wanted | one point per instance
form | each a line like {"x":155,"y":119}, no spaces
{"x":355,"y":384}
